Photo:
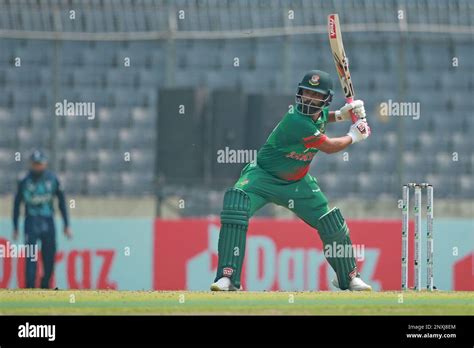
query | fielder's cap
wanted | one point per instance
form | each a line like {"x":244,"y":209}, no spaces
{"x":38,"y":157}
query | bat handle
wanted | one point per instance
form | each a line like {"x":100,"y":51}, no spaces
{"x":353,"y":116}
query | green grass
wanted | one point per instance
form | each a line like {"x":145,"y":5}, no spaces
{"x":37,"y":302}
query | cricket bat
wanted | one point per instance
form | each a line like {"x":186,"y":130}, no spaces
{"x":340,"y":59}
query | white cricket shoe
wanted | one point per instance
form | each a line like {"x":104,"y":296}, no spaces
{"x":224,"y":284}
{"x":356,"y":284}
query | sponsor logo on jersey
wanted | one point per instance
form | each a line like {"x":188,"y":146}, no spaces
{"x":39,"y":199}
{"x":306,"y":157}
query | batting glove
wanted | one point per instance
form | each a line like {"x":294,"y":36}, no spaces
{"x":359,"y":131}
{"x":344,"y":114}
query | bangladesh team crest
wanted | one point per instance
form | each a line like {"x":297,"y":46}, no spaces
{"x":314,"y":81}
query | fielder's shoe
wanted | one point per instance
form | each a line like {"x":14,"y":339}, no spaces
{"x":224,"y":284}
{"x":356,"y":284}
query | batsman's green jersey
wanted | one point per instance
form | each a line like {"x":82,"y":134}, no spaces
{"x":290,"y":148}
{"x":280,"y":174}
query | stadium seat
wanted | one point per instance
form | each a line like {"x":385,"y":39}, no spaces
{"x":72,"y":53}
{"x":70,"y":138}
{"x":136,"y":138}
{"x":380,"y":163}
{"x":73,"y":182}
{"x":87,"y":76}
{"x":113,"y":118}
{"x":7,"y":121}
{"x":450,"y":164}
{"x":445,"y":185}
{"x":74,"y":161}
{"x":143,"y":118}
{"x":103,"y":184}
{"x":370,"y":185}
{"x":462,"y":142}
{"x":205,"y":57}
{"x":133,"y":184}
{"x":100,"y":139}
{"x":29,"y":138}
{"x":122,"y":76}
{"x":41,"y":118}
{"x":22,"y":76}
{"x":149,"y":79}
{"x":466,"y":188}
{"x":111,"y":161}
{"x":142,"y":161}
{"x":269,"y":55}
{"x":6,"y":158}
{"x":134,"y":55}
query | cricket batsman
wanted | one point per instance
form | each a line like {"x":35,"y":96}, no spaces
{"x":280,"y":176}
{"x":37,"y":191}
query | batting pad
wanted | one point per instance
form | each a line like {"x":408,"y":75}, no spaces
{"x":232,"y":237}
{"x":335,"y":235}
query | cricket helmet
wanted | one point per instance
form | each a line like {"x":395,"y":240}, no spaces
{"x":317,"y":81}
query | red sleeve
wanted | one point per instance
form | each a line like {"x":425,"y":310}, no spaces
{"x":314,"y":140}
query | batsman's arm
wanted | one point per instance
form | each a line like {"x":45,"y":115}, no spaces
{"x":357,"y":132}
{"x":333,"y":145}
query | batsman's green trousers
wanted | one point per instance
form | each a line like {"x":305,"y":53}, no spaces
{"x":303,"y":197}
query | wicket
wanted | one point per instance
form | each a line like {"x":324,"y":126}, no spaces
{"x":417,"y":234}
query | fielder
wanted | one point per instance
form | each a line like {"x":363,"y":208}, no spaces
{"x":37,"y":191}
{"x":280,"y":175}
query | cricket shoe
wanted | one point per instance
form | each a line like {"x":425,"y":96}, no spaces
{"x":224,"y":284}
{"x":356,"y":284}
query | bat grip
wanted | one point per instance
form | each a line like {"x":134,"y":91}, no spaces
{"x":353,"y":116}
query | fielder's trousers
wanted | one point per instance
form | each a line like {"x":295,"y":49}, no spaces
{"x":40,"y":229}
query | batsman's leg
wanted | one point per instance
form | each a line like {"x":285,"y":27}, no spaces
{"x":334,"y":233}
{"x":311,"y":206}
{"x":238,"y":207}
